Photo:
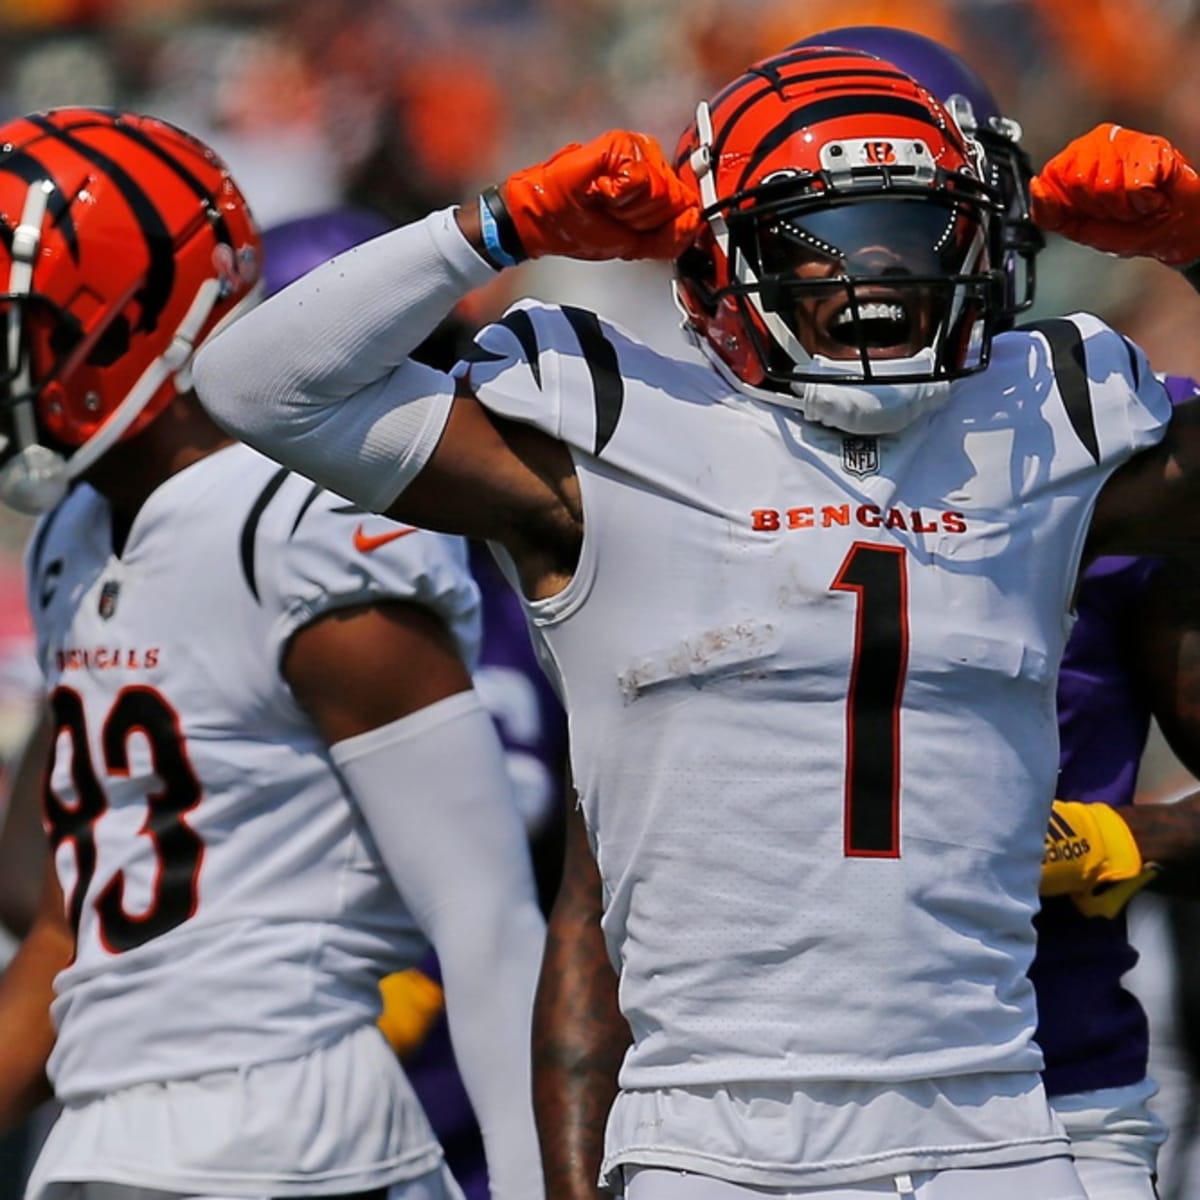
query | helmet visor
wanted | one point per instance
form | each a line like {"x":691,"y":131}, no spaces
{"x":879,"y":239}
{"x":872,"y":280}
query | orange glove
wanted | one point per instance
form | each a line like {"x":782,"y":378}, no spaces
{"x":616,"y":197}
{"x":1122,"y":192}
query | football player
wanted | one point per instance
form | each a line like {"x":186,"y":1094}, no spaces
{"x":1095,"y":1072}
{"x":1127,"y":658}
{"x":804,"y":602}
{"x":272,"y":782}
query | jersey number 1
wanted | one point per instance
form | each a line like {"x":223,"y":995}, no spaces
{"x":878,"y":576}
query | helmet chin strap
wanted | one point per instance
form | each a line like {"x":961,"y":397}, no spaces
{"x":861,"y":409}
{"x":32,"y":480}
{"x":870,"y":409}
{"x":853,"y":406}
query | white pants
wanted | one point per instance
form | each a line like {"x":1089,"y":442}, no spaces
{"x":437,"y":1185}
{"x":1115,"y":1138}
{"x":1115,"y":1180}
{"x":1046,"y":1179}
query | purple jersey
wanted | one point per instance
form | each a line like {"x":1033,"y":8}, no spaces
{"x":533,"y":729}
{"x":1092,"y":1031}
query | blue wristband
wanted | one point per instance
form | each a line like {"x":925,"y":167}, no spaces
{"x":491,"y":236}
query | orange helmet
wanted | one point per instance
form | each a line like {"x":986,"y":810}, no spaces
{"x":847,"y":229}
{"x":124,"y":244}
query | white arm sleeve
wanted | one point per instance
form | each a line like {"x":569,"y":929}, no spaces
{"x":318,"y":377}
{"x":434,"y":791}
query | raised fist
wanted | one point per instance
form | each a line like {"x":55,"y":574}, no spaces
{"x":1123,"y":192}
{"x":615,"y":197}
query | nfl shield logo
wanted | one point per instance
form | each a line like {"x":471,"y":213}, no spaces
{"x":108,"y":598}
{"x":860,"y":456}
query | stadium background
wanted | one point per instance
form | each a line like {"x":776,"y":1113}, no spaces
{"x":404,"y":105}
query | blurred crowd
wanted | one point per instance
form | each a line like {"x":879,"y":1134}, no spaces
{"x":404,"y":105}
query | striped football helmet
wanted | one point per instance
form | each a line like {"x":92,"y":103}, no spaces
{"x":124,"y":243}
{"x":846,"y":235}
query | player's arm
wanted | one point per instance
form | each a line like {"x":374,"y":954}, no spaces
{"x":579,"y":1035}
{"x":320,"y":377}
{"x":1103,"y":855}
{"x":420,"y":756}
{"x":1167,"y":649}
{"x":23,"y":846}
{"x":1134,"y":194}
{"x":26,"y":990}
{"x":1151,"y":504}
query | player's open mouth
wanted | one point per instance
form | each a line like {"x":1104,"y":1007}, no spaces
{"x":881,"y":325}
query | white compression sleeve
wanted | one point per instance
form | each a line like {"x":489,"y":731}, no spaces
{"x":434,"y":790}
{"x":318,"y":377}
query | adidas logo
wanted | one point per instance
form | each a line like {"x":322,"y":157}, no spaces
{"x":1062,"y":842}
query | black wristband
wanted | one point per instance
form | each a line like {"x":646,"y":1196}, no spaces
{"x":506,"y":231}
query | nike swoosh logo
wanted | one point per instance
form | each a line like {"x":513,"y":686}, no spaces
{"x":366,"y":542}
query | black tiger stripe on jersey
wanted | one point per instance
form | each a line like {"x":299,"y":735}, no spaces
{"x":250,"y":529}
{"x":1135,"y":368}
{"x":475,"y":353}
{"x":520,"y":325}
{"x":608,"y":388}
{"x":1068,"y":361}
{"x":309,"y":500}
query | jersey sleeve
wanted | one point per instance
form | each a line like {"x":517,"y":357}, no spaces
{"x":1113,"y":403}
{"x":336,"y":556}
{"x":555,"y":367}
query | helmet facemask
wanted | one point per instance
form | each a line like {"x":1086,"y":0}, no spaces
{"x":864,"y":266}
{"x":1016,"y":240}
{"x":878,"y":286}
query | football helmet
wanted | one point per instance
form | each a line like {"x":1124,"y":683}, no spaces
{"x":1017,"y":240}
{"x":124,"y":244}
{"x":843,"y":265}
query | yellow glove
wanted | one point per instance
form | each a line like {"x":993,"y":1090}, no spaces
{"x":411,"y":1004}
{"x":1092,"y":856}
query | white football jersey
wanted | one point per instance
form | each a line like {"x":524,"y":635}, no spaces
{"x":230,"y":905}
{"x":811,"y":682}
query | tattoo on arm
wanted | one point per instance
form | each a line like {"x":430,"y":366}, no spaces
{"x":579,"y":1035}
{"x":1169,"y":835}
